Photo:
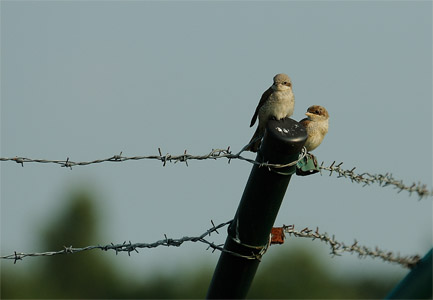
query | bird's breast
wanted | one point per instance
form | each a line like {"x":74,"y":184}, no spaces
{"x":279,"y":105}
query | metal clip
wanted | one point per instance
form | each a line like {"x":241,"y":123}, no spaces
{"x":307,"y":166}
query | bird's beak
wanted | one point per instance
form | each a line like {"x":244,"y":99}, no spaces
{"x":309,"y":114}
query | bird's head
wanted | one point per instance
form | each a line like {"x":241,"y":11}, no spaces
{"x":282,"y":82}
{"x":317,"y":113}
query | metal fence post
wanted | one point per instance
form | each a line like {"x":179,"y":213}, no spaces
{"x":418,"y":283}
{"x":249,"y":232}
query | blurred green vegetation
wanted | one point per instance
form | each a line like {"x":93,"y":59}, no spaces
{"x":299,"y":274}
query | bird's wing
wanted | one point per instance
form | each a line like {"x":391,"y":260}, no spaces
{"x":264,"y":98}
{"x":305,"y":122}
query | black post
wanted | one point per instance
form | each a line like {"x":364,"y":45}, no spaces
{"x":249,"y":232}
{"x":418,"y":283}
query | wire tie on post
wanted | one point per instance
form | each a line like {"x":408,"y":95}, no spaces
{"x":258,"y":256}
{"x":273,"y":167}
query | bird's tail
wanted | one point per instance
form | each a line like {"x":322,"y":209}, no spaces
{"x":255,"y":141}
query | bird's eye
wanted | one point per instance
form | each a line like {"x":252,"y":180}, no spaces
{"x":317,"y":111}
{"x":285,"y":82}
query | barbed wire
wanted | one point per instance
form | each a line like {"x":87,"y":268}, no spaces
{"x":383,"y":180}
{"x":185,"y":157}
{"x":128,"y":246}
{"x":365,"y":178}
{"x":337,"y":248}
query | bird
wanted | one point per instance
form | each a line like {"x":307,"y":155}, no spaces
{"x":316,"y":125}
{"x":277,"y":102}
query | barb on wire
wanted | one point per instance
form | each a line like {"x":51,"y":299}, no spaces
{"x":382,"y":180}
{"x":337,"y":248}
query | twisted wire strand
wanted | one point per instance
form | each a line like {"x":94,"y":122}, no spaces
{"x":337,"y":248}
{"x":382,"y":179}
{"x":128,"y":246}
{"x":214,"y":154}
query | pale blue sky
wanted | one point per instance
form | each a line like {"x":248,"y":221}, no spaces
{"x":86,"y":80}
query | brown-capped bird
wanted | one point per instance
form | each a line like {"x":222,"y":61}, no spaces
{"x":277,"y":102}
{"x":316,"y":125}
